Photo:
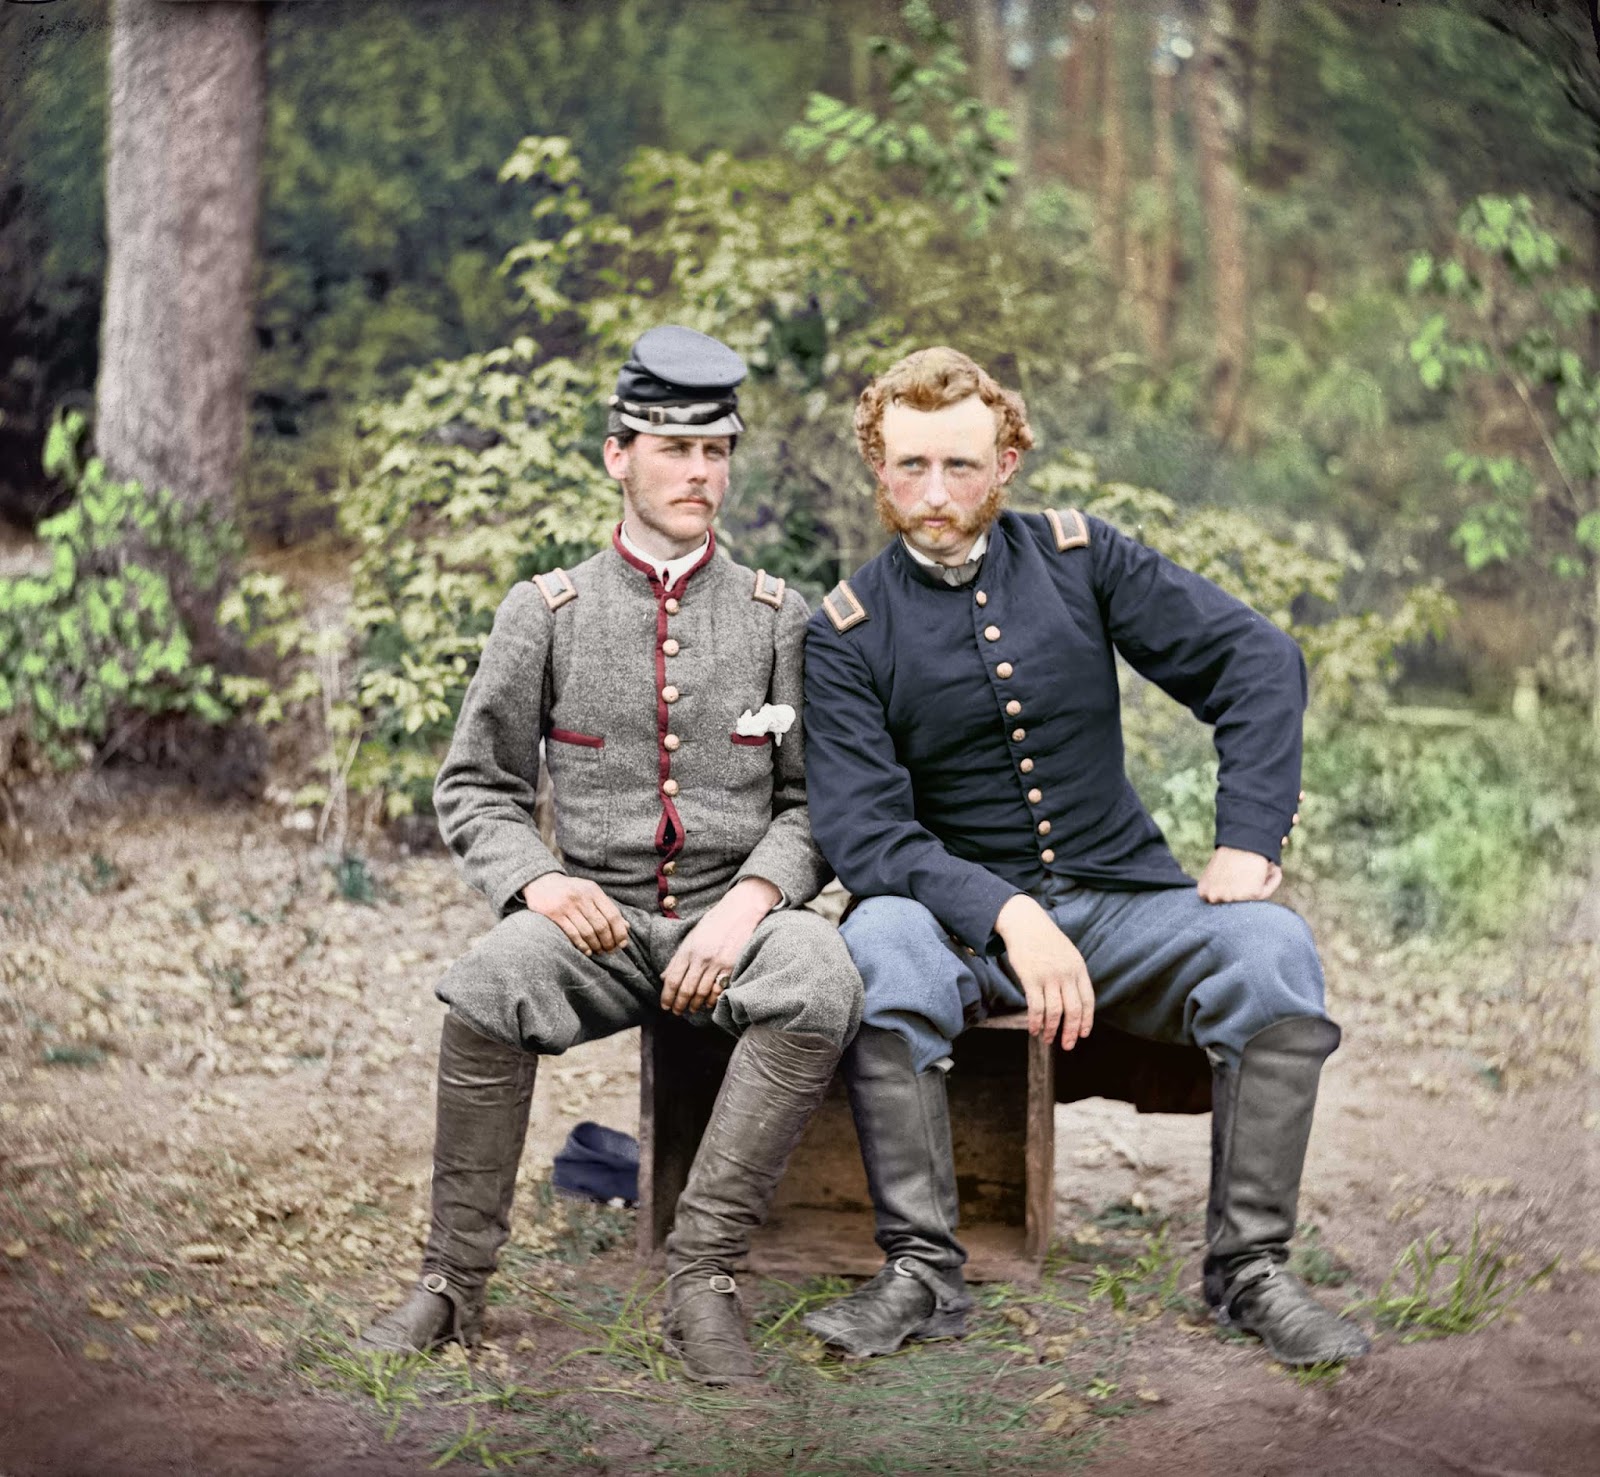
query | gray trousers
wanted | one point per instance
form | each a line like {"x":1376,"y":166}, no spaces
{"x":1164,"y":965}
{"x":524,"y":983}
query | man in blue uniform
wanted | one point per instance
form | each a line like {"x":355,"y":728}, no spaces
{"x":965,"y":772}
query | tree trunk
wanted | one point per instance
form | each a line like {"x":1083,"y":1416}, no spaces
{"x":1218,"y":127}
{"x":1074,"y":109}
{"x":1594,"y":481}
{"x":1112,"y":214}
{"x":187,"y":110}
{"x":1162,"y":269}
{"x":988,"y":53}
{"x":1018,"y":46}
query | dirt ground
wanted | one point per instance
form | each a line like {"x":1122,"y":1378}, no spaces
{"x":216,"y":1057}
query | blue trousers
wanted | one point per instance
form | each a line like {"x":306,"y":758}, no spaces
{"x":1164,"y":965}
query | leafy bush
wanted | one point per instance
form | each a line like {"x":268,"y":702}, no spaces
{"x":102,"y":636}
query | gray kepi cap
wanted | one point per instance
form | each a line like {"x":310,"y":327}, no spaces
{"x":678,"y":382}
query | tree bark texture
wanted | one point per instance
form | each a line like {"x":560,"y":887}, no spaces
{"x":1069,"y":156}
{"x":1111,"y":217}
{"x":187,"y":111}
{"x":1161,"y":270}
{"x":1219,"y":122}
{"x":988,"y":49}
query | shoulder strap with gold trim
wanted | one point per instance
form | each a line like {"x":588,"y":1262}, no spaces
{"x":1070,"y":531}
{"x":556,"y":587}
{"x":842,"y":608}
{"x":769,"y":589}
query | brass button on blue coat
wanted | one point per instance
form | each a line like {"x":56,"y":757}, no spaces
{"x":1005,"y":669}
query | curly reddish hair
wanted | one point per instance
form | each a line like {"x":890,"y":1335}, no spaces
{"x":932,"y":379}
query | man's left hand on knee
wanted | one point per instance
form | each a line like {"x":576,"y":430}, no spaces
{"x":1234,"y":876}
{"x":703,"y":965}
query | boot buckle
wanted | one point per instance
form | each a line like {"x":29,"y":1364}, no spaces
{"x":435,"y":1284}
{"x":721,"y":1282}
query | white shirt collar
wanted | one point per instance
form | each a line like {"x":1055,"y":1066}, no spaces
{"x":667,"y":570}
{"x":975,"y":553}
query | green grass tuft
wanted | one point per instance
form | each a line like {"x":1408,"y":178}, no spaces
{"x":1450,"y":1290}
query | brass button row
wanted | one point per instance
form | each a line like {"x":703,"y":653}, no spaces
{"x":670,"y":742}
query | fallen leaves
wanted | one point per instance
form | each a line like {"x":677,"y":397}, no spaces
{"x":202,"y":1252}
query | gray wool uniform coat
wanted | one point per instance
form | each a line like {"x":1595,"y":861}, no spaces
{"x":636,"y":690}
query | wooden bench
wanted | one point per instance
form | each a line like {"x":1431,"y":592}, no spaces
{"x":1002,"y":1095}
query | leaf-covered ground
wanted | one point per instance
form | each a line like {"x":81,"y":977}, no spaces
{"x":216,"y":1059}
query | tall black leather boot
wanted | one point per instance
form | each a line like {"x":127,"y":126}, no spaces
{"x":774,"y":1083}
{"x":481,"y":1121}
{"x":1260,"y":1125}
{"x":903,"y":1122}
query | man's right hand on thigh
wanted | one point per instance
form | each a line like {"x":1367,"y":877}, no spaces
{"x":1050,"y":970}
{"x":579,"y":909}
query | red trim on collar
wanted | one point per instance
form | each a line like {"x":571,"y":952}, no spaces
{"x":648,"y":570}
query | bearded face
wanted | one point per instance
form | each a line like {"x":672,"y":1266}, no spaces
{"x":942,"y":481}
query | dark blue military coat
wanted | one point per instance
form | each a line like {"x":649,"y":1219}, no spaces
{"x":962,"y":744}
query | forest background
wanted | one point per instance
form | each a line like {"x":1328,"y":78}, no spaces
{"x":308,"y":312}
{"x":1303,"y":294}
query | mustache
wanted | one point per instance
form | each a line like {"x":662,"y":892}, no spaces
{"x":972,"y":521}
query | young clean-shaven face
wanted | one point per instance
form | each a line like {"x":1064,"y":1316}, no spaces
{"x":942,"y":480}
{"x":672,"y":489}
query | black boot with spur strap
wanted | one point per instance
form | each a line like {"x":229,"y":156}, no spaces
{"x":1260,"y":1125}
{"x":902,"y":1119}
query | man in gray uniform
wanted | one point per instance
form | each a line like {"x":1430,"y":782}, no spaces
{"x":664,"y":682}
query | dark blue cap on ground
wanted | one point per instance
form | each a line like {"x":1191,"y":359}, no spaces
{"x":598,"y":1163}
{"x":679,"y":382}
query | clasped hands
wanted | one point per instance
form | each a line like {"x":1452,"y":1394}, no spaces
{"x":1049,"y":969}
{"x":703,"y":963}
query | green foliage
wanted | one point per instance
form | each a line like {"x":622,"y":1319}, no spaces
{"x":1292,"y":582}
{"x":102,"y":638}
{"x":936,"y":130}
{"x":1456,"y":830}
{"x":484,"y":471}
{"x":1476,"y":1290}
{"x":1514,"y":325}
{"x":1440,"y":832}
